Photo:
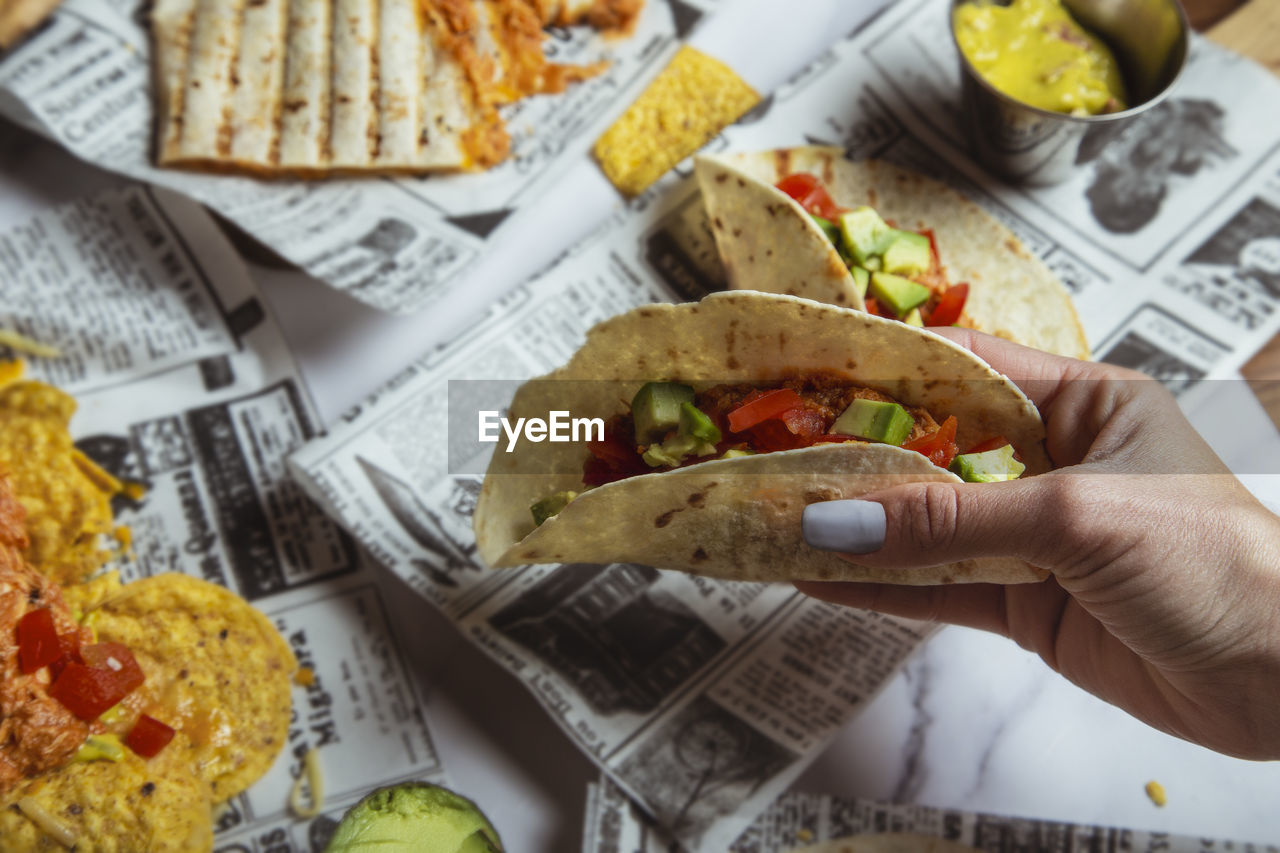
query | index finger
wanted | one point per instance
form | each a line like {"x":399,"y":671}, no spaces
{"x":1039,"y":374}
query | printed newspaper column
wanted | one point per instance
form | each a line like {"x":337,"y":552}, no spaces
{"x":111,"y":285}
{"x":796,"y":820}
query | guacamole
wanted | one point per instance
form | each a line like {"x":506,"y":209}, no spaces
{"x":1035,"y":52}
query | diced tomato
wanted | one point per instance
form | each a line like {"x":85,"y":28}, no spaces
{"x":68,"y":651}
{"x":938,"y":446}
{"x":614,"y":458}
{"x":810,"y":194}
{"x":950,"y":306}
{"x":37,"y":640}
{"x":933,"y":247}
{"x":804,"y":423}
{"x":762,"y":407}
{"x":988,"y":444}
{"x":87,"y":691}
{"x":873,"y":307}
{"x":617,"y":445}
{"x":117,"y":659}
{"x":148,"y":736}
{"x":772,"y":436}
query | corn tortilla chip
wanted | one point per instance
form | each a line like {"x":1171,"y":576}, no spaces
{"x":693,"y":99}
{"x":159,"y":805}
{"x":67,"y":497}
{"x":217,"y":671}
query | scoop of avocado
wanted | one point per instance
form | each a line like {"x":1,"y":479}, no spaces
{"x":414,"y":817}
{"x":990,"y":466}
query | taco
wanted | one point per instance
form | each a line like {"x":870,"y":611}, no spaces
{"x":718,"y":487}
{"x":871,"y":235}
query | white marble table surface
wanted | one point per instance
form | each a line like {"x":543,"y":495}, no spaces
{"x":973,"y":722}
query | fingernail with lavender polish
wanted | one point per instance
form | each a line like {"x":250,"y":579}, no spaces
{"x":851,"y":526}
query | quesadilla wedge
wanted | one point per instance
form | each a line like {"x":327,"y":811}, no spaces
{"x":771,"y":381}
{"x":309,"y":88}
{"x":868,"y":234}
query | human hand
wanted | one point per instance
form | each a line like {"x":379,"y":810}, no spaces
{"x":1164,"y":597}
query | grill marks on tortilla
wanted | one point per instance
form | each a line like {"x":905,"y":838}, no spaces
{"x":315,"y":86}
{"x":311,"y":85}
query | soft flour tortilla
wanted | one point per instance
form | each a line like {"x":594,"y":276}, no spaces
{"x":740,"y":518}
{"x":19,"y":17}
{"x":304,"y":87}
{"x":768,"y":242}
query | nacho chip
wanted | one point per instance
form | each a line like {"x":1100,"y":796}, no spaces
{"x":693,"y":99}
{"x":159,"y":805}
{"x":67,"y":497}
{"x":217,"y":671}
{"x":83,"y":597}
{"x":37,"y":733}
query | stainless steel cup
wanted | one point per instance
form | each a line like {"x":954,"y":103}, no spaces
{"x":1035,"y":146}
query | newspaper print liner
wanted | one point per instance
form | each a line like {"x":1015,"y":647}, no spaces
{"x":318,"y":86}
{"x":740,"y":518}
{"x":768,"y":242}
{"x":889,"y":842}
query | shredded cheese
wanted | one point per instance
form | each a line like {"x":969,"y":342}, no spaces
{"x":21,"y":343}
{"x":312,"y":776}
{"x":48,"y":824}
{"x":1156,"y":792}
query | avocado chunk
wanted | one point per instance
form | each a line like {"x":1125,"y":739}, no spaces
{"x":896,"y":293}
{"x":860,"y":280}
{"x":655,"y":409}
{"x":908,"y":254}
{"x":864,"y":234}
{"x":695,"y":422}
{"x":990,"y":466}
{"x":103,"y":747}
{"x":876,"y":420}
{"x":697,"y":436}
{"x":829,"y":228}
{"x":414,"y":817}
{"x":914,"y":318}
{"x":550,"y":506}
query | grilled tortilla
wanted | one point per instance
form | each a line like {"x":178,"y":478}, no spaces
{"x":311,"y":88}
{"x":768,"y":242}
{"x":740,"y":518}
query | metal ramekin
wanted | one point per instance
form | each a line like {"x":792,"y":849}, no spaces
{"x":1034,"y":146}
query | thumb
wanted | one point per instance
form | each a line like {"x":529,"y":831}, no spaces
{"x":930,"y":524}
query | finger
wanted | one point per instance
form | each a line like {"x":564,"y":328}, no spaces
{"x":931,"y":524}
{"x":1040,"y":375}
{"x":977,"y":605}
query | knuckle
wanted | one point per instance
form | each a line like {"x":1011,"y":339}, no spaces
{"x":1068,"y":511}
{"x":931,"y":519}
